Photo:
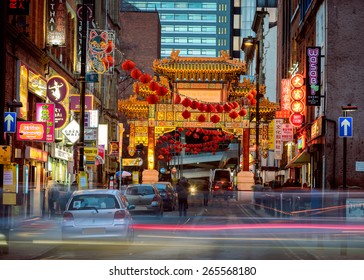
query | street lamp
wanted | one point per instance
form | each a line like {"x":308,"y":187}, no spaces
{"x":247,"y":47}
{"x":346,"y":109}
{"x":83,"y":181}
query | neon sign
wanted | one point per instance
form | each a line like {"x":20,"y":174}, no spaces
{"x":297,"y":106}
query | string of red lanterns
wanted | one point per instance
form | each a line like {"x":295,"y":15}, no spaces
{"x":167,"y":144}
{"x":160,"y":90}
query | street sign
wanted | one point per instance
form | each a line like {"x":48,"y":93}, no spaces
{"x":10,"y":122}
{"x":345,"y":127}
{"x":72,"y":131}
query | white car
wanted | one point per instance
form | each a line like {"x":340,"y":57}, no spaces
{"x":98,"y":214}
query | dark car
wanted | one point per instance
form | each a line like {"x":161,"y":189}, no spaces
{"x":146,"y":199}
{"x":168,"y":194}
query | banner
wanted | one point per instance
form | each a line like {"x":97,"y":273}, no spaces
{"x":101,"y":51}
{"x":56,"y":22}
{"x":313,"y":70}
{"x":45,"y":113}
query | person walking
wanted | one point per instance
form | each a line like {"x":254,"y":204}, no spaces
{"x":206,"y":192}
{"x":257,"y":191}
{"x":182,"y":192}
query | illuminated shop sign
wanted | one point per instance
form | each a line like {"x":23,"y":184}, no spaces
{"x":285,"y":99}
{"x":22,"y":89}
{"x":313,"y":70}
{"x":57,"y":89}
{"x":31,"y":131}
{"x":37,"y":154}
{"x":37,"y":84}
{"x":101,"y":51}
{"x":18,"y":7}
{"x":297,"y":106}
{"x":56,"y":26}
{"x":45,"y":113}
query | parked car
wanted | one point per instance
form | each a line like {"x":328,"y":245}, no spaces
{"x":98,"y":214}
{"x":146,"y":199}
{"x":168,"y":194}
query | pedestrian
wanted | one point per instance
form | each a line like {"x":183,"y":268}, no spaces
{"x":53,"y":195}
{"x":206,"y":192}
{"x":182,"y":193}
{"x":258,"y":189}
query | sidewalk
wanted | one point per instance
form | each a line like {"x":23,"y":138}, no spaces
{"x":30,"y":238}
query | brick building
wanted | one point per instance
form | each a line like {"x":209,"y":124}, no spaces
{"x":334,"y":27}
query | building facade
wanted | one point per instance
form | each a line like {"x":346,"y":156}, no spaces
{"x":197,"y":28}
{"x":319,"y":40}
{"x":42,"y":52}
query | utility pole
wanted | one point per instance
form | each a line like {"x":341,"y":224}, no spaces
{"x":83,"y":87}
{"x":3,"y":34}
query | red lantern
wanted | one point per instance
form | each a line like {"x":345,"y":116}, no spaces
{"x":253,"y":102}
{"x":219,"y":108}
{"x":233,"y":114}
{"x":194,"y":104}
{"x":161,"y":91}
{"x":186,"y":114}
{"x":177,"y":99}
{"x":249,"y":96}
{"x":108,"y":61}
{"x":202,"y":107}
{"x":128,"y":65}
{"x":153,"y":85}
{"x":110,"y":47}
{"x":135,"y":73}
{"x":215,"y":119}
{"x":235,"y":104}
{"x":227,"y":108}
{"x":242,"y":112}
{"x":186,"y":102}
{"x":201,"y":118}
{"x":152,"y":99}
{"x":145,"y":78}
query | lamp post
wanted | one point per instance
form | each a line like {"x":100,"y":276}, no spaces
{"x":82,"y":80}
{"x":346,"y":109}
{"x":248,"y":43}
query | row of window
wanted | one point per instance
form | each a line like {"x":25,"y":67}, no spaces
{"x":165,"y":52}
{"x":188,"y":40}
{"x":191,"y":29}
{"x":174,"y":5}
{"x":185,"y":17}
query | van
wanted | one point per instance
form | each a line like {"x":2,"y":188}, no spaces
{"x":221,"y":183}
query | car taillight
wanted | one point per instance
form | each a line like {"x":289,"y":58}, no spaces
{"x":216,"y":188}
{"x":230,"y":188}
{"x":67,"y":217}
{"x":120,"y":214}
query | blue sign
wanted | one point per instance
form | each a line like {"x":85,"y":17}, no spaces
{"x":345,"y":127}
{"x":10,"y":122}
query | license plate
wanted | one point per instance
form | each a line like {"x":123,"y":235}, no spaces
{"x":93,"y":231}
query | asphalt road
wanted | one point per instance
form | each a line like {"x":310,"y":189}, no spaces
{"x":221,"y":231}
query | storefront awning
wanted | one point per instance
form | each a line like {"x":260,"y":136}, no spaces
{"x":299,"y":160}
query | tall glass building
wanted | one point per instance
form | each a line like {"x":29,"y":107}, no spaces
{"x":198,"y":28}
